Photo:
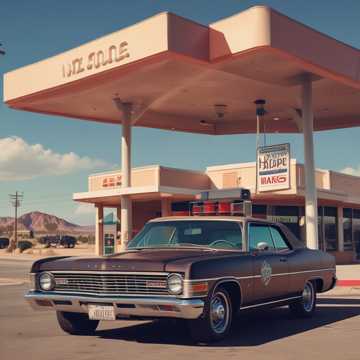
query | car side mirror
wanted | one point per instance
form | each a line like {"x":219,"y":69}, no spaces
{"x":262,"y":246}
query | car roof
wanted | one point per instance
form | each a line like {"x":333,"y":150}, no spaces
{"x":211,"y":218}
{"x":294,"y":241}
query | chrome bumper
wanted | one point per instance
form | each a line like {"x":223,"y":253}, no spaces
{"x":125,"y":306}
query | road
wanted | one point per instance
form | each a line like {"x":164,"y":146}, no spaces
{"x":14,"y":269}
{"x":24,"y":334}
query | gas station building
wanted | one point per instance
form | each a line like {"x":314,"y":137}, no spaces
{"x":163,"y":191}
{"x":170,"y":73}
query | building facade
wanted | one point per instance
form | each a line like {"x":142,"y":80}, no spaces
{"x":162,"y":191}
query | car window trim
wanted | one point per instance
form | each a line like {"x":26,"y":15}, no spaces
{"x":271,"y":251}
{"x":276,"y":227}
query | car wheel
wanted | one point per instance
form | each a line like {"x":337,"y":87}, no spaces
{"x":76,"y":324}
{"x":215,"y":323}
{"x":306,"y":305}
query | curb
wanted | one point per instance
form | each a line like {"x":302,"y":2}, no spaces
{"x":15,"y":258}
{"x":348,"y":283}
{"x":11,"y":282}
{"x":343,"y":291}
{"x":345,"y":287}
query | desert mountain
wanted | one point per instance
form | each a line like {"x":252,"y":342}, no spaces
{"x":43,"y":223}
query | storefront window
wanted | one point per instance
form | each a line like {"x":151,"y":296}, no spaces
{"x":289,"y":216}
{"x":356,"y":231}
{"x":321,"y":235}
{"x":348,"y":229}
{"x":259,"y":211}
{"x":330,"y":228}
{"x":180,"y":206}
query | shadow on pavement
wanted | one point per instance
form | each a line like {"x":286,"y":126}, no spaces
{"x":251,"y":328}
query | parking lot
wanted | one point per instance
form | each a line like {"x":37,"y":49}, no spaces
{"x":24,"y":334}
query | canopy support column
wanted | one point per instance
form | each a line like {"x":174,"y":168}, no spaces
{"x":165,"y":206}
{"x":126,"y":204}
{"x":99,"y":230}
{"x":340,"y":227}
{"x":311,"y":215}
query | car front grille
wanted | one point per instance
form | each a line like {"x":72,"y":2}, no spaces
{"x":111,"y":283}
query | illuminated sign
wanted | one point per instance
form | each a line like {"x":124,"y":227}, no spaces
{"x":96,"y":59}
{"x":273,"y":167}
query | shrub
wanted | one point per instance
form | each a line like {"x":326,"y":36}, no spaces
{"x":83,"y":239}
{"x":49,"y":252}
{"x":28,"y":251}
{"x":24,"y":244}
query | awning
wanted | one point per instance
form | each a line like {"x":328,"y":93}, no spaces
{"x":175,"y":71}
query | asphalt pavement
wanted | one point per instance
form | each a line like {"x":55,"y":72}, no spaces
{"x":273,"y":334}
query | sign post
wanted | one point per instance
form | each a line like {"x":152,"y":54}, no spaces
{"x":273,"y":168}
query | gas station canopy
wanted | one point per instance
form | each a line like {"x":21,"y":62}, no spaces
{"x":175,"y":71}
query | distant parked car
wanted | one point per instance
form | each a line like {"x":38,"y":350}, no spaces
{"x":24,"y":245}
{"x":50,"y":240}
{"x":4,"y":242}
{"x":68,"y":241}
{"x":57,"y":240}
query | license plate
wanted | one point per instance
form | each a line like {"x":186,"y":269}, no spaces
{"x":101,"y":312}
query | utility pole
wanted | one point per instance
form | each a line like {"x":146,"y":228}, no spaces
{"x":15,"y":200}
{"x":2,"y":51}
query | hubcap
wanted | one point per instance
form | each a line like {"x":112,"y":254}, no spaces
{"x":219,"y":313}
{"x":308,"y":297}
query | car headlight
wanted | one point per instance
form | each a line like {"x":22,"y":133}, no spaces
{"x":175,"y":284}
{"x":46,"y":281}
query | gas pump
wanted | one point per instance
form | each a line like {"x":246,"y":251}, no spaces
{"x":109,"y":238}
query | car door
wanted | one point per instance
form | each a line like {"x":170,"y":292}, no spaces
{"x":270,"y":266}
{"x":297,"y":260}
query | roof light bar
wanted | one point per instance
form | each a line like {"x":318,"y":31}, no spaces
{"x":234,"y":194}
{"x":223,"y":202}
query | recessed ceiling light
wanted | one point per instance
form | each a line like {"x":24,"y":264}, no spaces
{"x":276,"y":118}
{"x":220,"y":110}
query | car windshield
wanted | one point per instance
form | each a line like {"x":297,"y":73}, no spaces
{"x":189,"y":233}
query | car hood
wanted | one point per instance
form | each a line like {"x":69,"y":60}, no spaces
{"x":138,"y":260}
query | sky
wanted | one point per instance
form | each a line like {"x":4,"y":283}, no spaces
{"x":49,"y":158}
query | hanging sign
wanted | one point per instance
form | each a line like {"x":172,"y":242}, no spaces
{"x":273,"y":167}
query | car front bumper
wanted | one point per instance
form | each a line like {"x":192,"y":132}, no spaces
{"x":124,"y":306}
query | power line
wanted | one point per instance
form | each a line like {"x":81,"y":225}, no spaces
{"x":39,"y":201}
{"x":15,"y":200}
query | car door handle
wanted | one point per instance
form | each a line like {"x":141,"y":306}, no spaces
{"x":283,"y":259}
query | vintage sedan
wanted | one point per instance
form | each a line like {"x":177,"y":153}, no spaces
{"x":201,"y":269}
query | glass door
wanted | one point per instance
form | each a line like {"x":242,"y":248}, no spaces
{"x":356,"y":231}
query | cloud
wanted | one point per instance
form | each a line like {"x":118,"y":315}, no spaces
{"x":22,"y":161}
{"x":351,"y":171}
{"x":85,"y":209}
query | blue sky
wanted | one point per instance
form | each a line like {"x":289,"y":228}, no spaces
{"x":33,"y":30}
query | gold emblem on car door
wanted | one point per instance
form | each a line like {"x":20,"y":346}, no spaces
{"x":266,"y":273}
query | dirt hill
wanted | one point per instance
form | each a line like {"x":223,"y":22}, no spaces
{"x":43,"y":223}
